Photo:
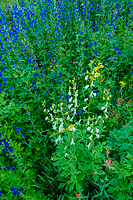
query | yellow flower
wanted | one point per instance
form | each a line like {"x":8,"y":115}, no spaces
{"x":122,"y":83}
{"x":98,"y":74}
{"x":69,"y":128}
{"x":72,"y":125}
{"x":101,"y":66}
{"x":96,"y":68}
{"x":92,"y":78}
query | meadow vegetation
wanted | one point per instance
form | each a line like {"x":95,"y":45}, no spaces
{"x":66,"y":100}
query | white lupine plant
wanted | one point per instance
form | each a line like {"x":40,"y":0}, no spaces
{"x":75,"y":136}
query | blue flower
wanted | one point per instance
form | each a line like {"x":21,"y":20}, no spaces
{"x":9,"y":149}
{"x":47,"y":91}
{"x":3,"y":150}
{"x":80,"y":40}
{"x":80,"y":111}
{"x":22,"y":105}
{"x":3,"y":140}
{"x":90,"y":57}
{"x":67,"y":98}
{"x":8,"y":168}
{"x":60,"y":74}
{"x":33,"y":83}
{"x":36,"y":75}
{"x":6,"y":144}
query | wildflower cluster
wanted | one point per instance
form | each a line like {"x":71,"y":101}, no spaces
{"x":66,"y":87}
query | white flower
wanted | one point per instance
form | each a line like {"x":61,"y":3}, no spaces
{"x":95,"y":94}
{"x":90,"y":138}
{"x":65,"y":147}
{"x":106,"y":104}
{"x":91,"y":94}
{"x":71,"y":119}
{"x":72,"y":142}
{"x":85,"y":99}
{"x":106,"y":116}
{"x":105,"y":110}
{"x":73,"y":129}
{"x":95,"y":75}
{"x":88,"y":145}
{"x":75,"y":111}
{"x":56,"y":141}
{"x":89,"y":128}
{"x":97,"y":130}
{"x":85,"y":108}
{"x":98,"y":136}
{"x":76,"y":94}
{"x":86,"y":78}
{"x":99,"y":117}
{"x":108,"y":98}
{"x":61,"y":127}
{"x":70,"y":99}
{"x":92,"y":131}
{"x":70,"y":105}
{"x":78,"y":122}
{"x":75,"y":102}
{"x":66,"y":154}
{"x":86,"y":87}
{"x":69,"y":92}
{"x":59,"y":138}
{"x":92,"y":73}
{"x":46,"y":118}
{"x":54,"y":127}
{"x":61,"y":120}
{"x":91,"y":84}
{"x":44,"y":110}
{"x":102,"y":108}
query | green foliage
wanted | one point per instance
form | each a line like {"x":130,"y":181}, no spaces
{"x":52,"y":147}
